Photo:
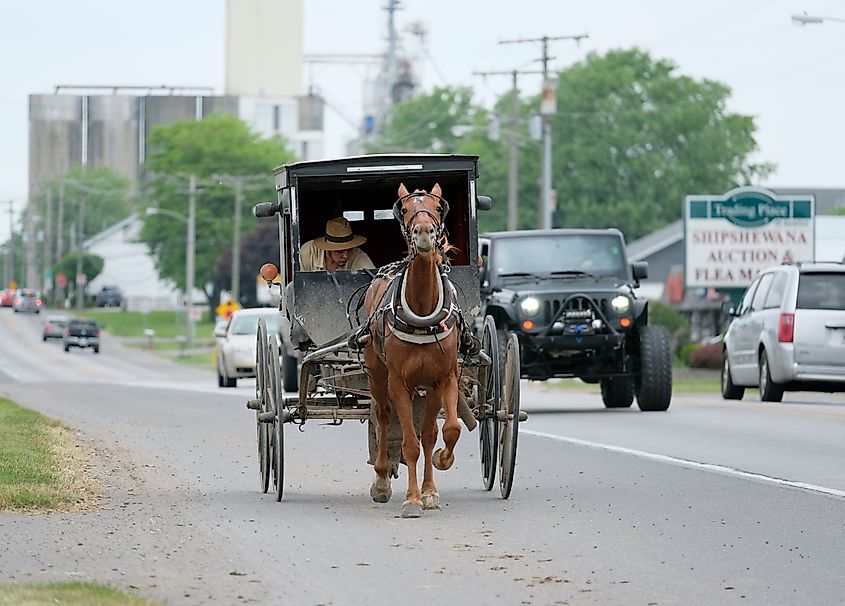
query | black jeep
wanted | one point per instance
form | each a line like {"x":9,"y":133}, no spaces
{"x":569,"y":296}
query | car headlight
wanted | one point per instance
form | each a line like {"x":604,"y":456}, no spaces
{"x":530,"y":306}
{"x":620,"y":304}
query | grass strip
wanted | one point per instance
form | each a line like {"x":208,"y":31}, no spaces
{"x":133,"y":323}
{"x":68,"y":594}
{"x":42,"y":466}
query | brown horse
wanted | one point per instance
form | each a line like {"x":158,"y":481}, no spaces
{"x":414,"y":346}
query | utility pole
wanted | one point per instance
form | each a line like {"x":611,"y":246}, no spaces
{"x":48,"y":235}
{"x":31,"y":270}
{"x":236,"y":246}
{"x":60,"y":218}
{"x":547,"y":109}
{"x":81,"y":279}
{"x":512,"y":142}
{"x":190,"y":252}
{"x":9,"y":265}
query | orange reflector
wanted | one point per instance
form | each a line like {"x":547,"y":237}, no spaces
{"x":527,"y":325}
{"x":625,"y":322}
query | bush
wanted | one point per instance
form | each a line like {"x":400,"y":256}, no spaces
{"x":660,"y":314}
{"x":686,"y":351}
{"x":706,"y":356}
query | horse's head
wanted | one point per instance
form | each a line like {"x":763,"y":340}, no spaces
{"x":422,"y":216}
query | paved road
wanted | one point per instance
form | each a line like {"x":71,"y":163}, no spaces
{"x":709,"y":503}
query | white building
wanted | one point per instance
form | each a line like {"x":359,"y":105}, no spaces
{"x":129,"y":266}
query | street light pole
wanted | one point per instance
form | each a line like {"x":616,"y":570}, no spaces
{"x":191,"y":251}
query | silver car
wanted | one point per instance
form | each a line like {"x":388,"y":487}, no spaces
{"x":788,"y":333}
{"x":235,"y":347}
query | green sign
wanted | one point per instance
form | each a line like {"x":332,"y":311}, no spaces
{"x":748,"y":208}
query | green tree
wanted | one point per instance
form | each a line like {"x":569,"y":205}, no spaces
{"x":215,"y":150}
{"x":494,"y":159}
{"x":105,"y":194}
{"x":92,"y":265}
{"x":429,"y":123}
{"x":632,"y":138}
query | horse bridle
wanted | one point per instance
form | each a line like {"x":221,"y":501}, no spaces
{"x":419,"y":207}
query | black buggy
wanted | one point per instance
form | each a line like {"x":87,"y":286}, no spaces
{"x":320,"y":311}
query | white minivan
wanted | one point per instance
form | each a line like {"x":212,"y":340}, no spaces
{"x":788,"y":333}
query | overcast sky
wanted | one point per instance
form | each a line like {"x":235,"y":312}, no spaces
{"x":790,"y":78}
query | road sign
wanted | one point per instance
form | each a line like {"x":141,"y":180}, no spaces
{"x":61,"y":280}
{"x":196,"y":314}
{"x":81,"y":279}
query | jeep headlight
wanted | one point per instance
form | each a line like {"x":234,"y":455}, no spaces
{"x":620,"y":304}
{"x":530,"y":306}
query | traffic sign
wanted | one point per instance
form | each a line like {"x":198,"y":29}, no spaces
{"x":61,"y":280}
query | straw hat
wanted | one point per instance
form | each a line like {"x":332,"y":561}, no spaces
{"x":338,"y":236}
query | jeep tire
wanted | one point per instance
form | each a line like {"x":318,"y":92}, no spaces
{"x":654,"y":383}
{"x":617,"y":392}
{"x":290,"y":372}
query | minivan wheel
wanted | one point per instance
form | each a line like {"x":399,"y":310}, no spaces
{"x":769,"y":390}
{"x":729,"y":390}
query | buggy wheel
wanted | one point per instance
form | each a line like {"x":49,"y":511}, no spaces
{"x":509,"y":421}
{"x":277,"y":439}
{"x":261,"y":396}
{"x":489,"y":392}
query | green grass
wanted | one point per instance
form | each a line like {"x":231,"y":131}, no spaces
{"x":69,"y":594}
{"x":680,"y":384}
{"x":31,"y":470}
{"x":133,"y":323}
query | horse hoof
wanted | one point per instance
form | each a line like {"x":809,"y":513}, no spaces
{"x":412,"y":509}
{"x":431,"y":500}
{"x":380,"y":494}
{"x":441,"y":462}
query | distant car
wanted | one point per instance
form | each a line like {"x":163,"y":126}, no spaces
{"x":236,"y":343}
{"x":788,"y":333}
{"x":7,"y":298}
{"x":82,"y":332}
{"x":28,"y":300}
{"x":54,"y":327}
{"x":110,"y":296}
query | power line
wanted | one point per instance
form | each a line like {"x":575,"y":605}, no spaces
{"x":547,"y":109}
{"x":512,"y":142}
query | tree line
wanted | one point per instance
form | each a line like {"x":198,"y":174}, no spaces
{"x":631,"y":138}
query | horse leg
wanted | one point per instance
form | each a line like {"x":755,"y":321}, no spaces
{"x":380,"y":489}
{"x":430,"y":498}
{"x":446,"y":395}
{"x":402,"y":400}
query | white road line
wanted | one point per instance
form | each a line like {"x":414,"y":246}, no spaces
{"x":686,"y":463}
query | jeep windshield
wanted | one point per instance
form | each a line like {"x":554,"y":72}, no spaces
{"x":564,"y":255}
